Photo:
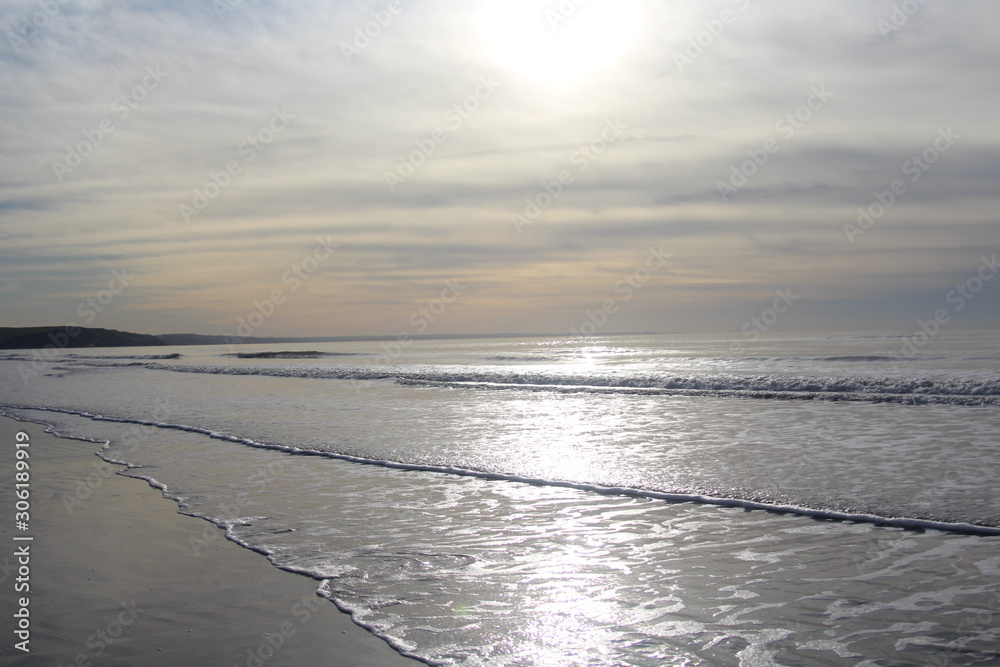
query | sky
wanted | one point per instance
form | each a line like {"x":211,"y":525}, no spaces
{"x":432,"y":166}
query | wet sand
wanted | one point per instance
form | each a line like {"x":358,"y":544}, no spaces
{"x":115,"y":581}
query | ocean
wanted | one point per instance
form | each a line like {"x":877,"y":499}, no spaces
{"x":617,"y":500}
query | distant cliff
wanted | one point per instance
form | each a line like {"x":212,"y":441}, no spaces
{"x":36,"y":338}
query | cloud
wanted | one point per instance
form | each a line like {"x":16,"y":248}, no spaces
{"x":357,"y":106}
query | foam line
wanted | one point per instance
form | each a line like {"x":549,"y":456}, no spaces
{"x":128,"y":471}
{"x":908,"y":391}
{"x":898,"y":522}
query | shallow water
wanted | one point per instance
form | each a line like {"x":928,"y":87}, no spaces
{"x":479,"y":570}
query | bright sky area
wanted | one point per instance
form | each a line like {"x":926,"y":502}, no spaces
{"x":335,"y":163}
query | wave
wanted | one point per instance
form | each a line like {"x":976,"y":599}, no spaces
{"x":858,"y":358}
{"x":853,"y":358}
{"x":913,"y":391}
{"x":86,"y":357}
{"x":293,"y":354}
{"x":173,"y":355}
{"x":866,"y":337}
{"x":725,"y":501}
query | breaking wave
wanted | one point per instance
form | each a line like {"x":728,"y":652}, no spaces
{"x":916,"y":391}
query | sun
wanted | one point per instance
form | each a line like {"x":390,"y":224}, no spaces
{"x":558,"y":43}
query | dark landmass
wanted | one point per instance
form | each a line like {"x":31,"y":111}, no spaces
{"x":36,"y":338}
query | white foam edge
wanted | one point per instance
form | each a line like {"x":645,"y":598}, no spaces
{"x":897,"y":522}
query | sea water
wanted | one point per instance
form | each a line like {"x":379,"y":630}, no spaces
{"x":619,"y":500}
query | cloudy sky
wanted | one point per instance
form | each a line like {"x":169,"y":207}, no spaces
{"x":337,"y":162}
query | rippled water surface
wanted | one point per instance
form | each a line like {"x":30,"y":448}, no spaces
{"x":437,"y":541}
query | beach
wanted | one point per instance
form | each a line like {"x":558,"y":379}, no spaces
{"x":651,"y":500}
{"x":115,"y":580}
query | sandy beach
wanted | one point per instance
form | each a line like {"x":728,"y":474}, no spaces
{"x":114,"y":581}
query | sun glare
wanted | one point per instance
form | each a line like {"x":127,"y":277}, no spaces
{"x":558,"y":43}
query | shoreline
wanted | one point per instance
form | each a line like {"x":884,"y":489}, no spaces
{"x":113,"y":578}
{"x":904,"y":522}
